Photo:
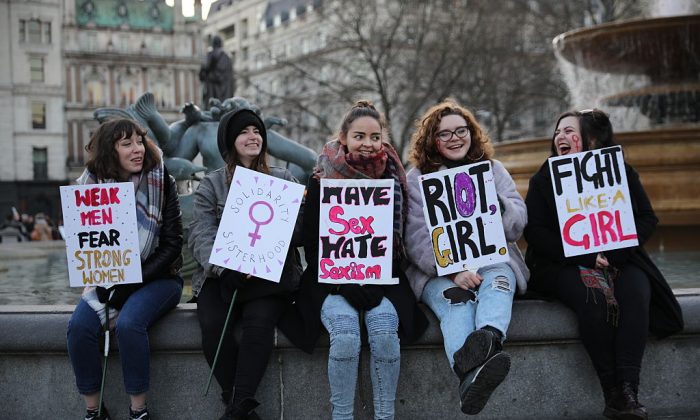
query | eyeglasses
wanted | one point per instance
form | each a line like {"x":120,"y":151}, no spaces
{"x":446,"y":135}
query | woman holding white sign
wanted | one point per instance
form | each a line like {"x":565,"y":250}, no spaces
{"x":120,"y":152}
{"x":259,"y":303}
{"x":389,"y":310}
{"x":474,"y":306}
{"x":618,"y":295}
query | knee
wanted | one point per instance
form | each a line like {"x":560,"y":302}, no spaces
{"x":344,"y":346}
{"x":80,"y":328}
{"x":129,"y":325}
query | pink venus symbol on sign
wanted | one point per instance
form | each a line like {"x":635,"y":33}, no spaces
{"x":254,"y":235}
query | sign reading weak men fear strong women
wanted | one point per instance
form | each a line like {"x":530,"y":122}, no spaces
{"x":102,"y":242}
{"x":463,"y":216}
{"x":593,"y":201}
{"x":257,"y":224}
{"x":356,"y":231}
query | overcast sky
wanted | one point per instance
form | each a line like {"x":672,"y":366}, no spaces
{"x":188,"y":6}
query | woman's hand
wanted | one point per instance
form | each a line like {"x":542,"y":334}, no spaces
{"x":467,"y":280}
{"x":601,"y":262}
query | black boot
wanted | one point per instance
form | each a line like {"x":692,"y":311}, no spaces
{"x":241,"y":411}
{"x":479,"y":346}
{"x":622,"y":403}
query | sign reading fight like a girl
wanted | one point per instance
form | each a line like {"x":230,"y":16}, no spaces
{"x":257,"y":225}
{"x":463,"y":216}
{"x":356,"y":231}
{"x":102,"y":242}
{"x":593,"y":201}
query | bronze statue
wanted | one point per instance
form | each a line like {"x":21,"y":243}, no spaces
{"x":216,"y":74}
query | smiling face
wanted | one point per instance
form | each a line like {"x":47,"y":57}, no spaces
{"x":455,"y":148}
{"x":567,"y":136}
{"x":248,"y":145}
{"x":130,"y":151}
{"x":364,"y":136}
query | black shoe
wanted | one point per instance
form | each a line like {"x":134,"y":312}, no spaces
{"x":241,"y":411}
{"x":139,"y":415}
{"x":479,"y":347}
{"x":476,"y":388}
{"x":622,"y":403}
{"x":92,"y":414}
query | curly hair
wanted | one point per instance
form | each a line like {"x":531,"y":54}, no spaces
{"x":361,"y":108}
{"x":423,"y":152}
{"x":103,"y":160}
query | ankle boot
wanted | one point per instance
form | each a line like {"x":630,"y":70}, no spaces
{"x":242,"y":410}
{"x":479,"y":347}
{"x":624,"y":403}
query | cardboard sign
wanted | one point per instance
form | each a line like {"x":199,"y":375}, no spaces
{"x":257,"y":225}
{"x":593,"y":201}
{"x":463,"y":216}
{"x":356,"y":231}
{"x":102,"y":240}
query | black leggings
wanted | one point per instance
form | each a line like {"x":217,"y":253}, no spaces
{"x":240,"y":365}
{"x":616,"y":352}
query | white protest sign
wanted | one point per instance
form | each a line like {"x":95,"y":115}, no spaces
{"x":257,"y":225}
{"x":356,"y":231}
{"x":102,"y":242}
{"x":593,"y":201}
{"x":463,"y":216}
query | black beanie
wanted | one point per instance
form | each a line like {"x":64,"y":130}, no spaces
{"x":232,"y":123}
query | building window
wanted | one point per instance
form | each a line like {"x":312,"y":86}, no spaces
{"x":34,"y":31}
{"x":244,"y":28}
{"x":40,"y":159}
{"x":36,"y":69}
{"x":47,"y":32}
{"x":38,"y":115}
{"x":22,"y":30}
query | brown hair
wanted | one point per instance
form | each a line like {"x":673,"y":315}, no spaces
{"x":103,"y":160}
{"x":361,"y":108}
{"x":423,"y":152}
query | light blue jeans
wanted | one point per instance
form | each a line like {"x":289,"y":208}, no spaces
{"x":343,"y":324}
{"x":492,"y":305}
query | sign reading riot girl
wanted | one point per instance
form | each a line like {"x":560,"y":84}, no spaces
{"x":356,"y":231}
{"x":463,"y":216}
{"x":102,"y":242}
{"x":593,"y":201}
{"x":257,"y":225}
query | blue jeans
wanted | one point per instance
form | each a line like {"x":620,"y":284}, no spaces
{"x":343,"y":324}
{"x":492,"y":305}
{"x":140,"y":311}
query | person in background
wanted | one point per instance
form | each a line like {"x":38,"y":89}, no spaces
{"x":119,"y":151}
{"x":474,"y":306}
{"x":618,"y":296}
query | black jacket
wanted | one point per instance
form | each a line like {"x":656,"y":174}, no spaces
{"x":302,"y":321}
{"x":545,"y":252}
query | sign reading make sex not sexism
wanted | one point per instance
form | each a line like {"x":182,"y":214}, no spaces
{"x":101,"y":234}
{"x":356,"y":231}
{"x":257,"y":225}
{"x":463,"y":216}
{"x":593,"y":201}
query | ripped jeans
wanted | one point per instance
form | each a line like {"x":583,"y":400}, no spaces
{"x":343,"y":324}
{"x":491,"y":304}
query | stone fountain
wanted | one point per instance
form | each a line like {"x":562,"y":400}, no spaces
{"x":646,"y":74}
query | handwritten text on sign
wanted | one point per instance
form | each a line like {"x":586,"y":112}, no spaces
{"x":356,"y":231}
{"x":101,"y":234}
{"x":593,"y":201}
{"x":257,"y":225}
{"x":463,"y":216}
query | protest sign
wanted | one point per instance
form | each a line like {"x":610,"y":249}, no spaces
{"x":102,"y":242}
{"x":257,"y":225}
{"x":463,"y":216}
{"x":356,"y":231}
{"x":593,"y":201}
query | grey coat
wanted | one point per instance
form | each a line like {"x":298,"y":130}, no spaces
{"x":417,"y":235}
{"x":209,"y":203}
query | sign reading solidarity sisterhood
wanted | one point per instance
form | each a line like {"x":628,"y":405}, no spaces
{"x":101,"y":234}
{"x":356,"y":231}
{"x":463,"y":216}
{"x":257,"y":225}
{"x":593,"y":201}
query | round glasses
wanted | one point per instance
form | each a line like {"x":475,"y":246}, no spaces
{"x":446,"y":135}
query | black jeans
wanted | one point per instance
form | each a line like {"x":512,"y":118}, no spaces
{"x":240,"y":365}
{"x":616,"y":352}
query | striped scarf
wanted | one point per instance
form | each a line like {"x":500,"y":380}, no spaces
{"x":335,"y":162}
